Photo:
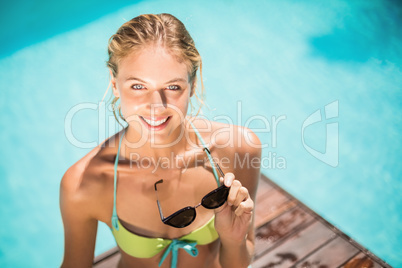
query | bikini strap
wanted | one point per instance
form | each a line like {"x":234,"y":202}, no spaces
{"x":207,"y":151}
{"x":116,"y":162}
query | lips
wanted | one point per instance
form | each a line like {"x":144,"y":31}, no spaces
{"x":155,"y":123}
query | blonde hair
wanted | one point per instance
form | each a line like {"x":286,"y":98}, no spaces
{"x":160,"y":29}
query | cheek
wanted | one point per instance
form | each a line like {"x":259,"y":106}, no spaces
{"x":130,"y":106}
{"x":182,"y":104}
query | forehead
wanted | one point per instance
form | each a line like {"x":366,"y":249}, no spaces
{"x":153,"y":63}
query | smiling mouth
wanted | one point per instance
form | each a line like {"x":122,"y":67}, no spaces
{"x":155,"y":123}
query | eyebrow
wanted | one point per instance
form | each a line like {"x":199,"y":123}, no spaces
{"x":168,"y":82}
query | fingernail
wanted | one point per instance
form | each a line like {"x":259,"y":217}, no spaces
{"x":227,"y":182}
{"x":230,"y":204}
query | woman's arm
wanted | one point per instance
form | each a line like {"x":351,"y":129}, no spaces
{"x":237,"y":241}
{"x":237,"y":245}
{"x":79,"y":227}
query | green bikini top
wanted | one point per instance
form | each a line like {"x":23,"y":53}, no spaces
{"x":145,"y":247}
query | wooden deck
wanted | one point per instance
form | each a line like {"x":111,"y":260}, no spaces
{"x":289,"y":234}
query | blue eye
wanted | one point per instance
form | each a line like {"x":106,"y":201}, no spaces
{"x":173,"y":87}
{"x":138,"y":86}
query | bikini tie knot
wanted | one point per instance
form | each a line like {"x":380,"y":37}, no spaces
{"x":189,"y":247}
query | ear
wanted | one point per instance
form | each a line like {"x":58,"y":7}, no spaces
{"x":114,"y":88}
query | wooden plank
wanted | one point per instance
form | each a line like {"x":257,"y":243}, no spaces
{"x":270,"y":205}
{"x":272,"y":232}
{"x":332,"y":254}
{"x":361,"y":260}
{"x":296,"y":247}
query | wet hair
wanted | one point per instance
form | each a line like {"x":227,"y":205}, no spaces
{"x":156,"y":29}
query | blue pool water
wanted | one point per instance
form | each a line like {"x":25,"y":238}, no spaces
{"x":321,"y":85}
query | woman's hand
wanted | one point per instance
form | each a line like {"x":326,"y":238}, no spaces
{"x":233,"y":219}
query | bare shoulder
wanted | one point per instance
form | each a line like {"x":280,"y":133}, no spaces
{"x":73,"y":177}
{"x":228,"y":138}
{"x":73,"y":184}
{"x":237,"y":149}
{"x":85,"y":180}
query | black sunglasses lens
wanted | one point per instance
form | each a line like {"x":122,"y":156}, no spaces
{"x":216,"y":198}
{"x":181,"y":218}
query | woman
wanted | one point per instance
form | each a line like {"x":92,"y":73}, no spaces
{"x":164,"y":160}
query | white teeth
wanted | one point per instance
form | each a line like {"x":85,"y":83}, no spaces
{"x":155,"y":123}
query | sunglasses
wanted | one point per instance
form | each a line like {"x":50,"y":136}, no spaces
{"x":186,"y":216}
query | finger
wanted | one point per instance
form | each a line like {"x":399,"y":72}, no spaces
{"x":220,"y":209}
{"x":245,"y":207}
{"x":242,"y":195}
{"x":229,"y":178}
{"x":234,"y":188}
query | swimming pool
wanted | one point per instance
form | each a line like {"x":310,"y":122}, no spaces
{"x":320,"y":84}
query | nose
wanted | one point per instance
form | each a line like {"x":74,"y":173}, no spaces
{"x":157,"y":102}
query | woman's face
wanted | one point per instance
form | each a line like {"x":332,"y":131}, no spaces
{"x":154,"y":91}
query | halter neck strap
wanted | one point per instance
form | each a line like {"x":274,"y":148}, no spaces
{"x":207,"y":151}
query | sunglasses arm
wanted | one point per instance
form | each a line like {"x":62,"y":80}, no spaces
{"x":160,"y":210}
{"x":157,"y":200}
